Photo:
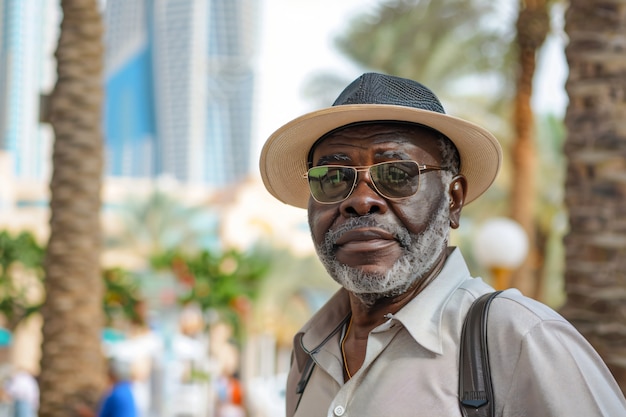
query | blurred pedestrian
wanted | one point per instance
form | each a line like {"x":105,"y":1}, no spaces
{"x":6,"y":402}
{"x":23,"y":389}
{"x":19,"y":390}
{"x":118,"y":400}
{"x":229,"y":396}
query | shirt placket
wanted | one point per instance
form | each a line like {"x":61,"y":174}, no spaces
{"x":377,"y":341}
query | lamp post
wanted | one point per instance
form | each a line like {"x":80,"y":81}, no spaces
{"x":500,"y":245}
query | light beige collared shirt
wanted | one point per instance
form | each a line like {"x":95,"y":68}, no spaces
{"x":541,"y":366}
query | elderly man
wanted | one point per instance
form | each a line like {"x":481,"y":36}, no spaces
{"x":385,"y":173}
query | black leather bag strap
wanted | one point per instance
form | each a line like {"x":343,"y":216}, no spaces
{"x":475,"y":389}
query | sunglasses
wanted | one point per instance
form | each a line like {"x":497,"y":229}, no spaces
{"x":393,"y":180}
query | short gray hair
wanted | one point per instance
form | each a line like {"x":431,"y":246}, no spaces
{"x":450,"y":159}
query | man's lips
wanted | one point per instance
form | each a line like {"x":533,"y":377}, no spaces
{"x":365,"y":238}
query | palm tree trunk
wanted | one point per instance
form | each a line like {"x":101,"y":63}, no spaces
{"x":533,"y":25}
{"x":595,"y":190}
{"x":72,"y":367}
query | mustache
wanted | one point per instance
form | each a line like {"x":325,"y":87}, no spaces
{"x":398,"y":232}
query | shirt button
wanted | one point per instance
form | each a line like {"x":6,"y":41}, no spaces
{"x":339,"y":411}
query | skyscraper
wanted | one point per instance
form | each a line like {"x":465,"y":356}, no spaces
{"x":179,"y":88}
{"x":24,"y":34}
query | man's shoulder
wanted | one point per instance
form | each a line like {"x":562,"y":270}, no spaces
{"x":515,"y":317}
{"x":509,"y":304}
{"x":511,"y":313}
{"x":513,"y":305}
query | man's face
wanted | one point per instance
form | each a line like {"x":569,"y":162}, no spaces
{"x":373,"y":246}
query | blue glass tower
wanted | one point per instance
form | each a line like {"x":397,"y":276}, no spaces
{"x":179,"y":87}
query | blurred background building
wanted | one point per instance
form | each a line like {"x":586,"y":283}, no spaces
{"x":25,"y":68}
{"x":179,"y":88}
{"x":180,"y":79}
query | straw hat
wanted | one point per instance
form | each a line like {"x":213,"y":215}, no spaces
{"x":375,"y":97}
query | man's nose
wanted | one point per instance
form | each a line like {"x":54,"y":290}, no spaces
{"x":364,"y":199}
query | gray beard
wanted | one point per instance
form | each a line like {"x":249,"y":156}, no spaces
{"x":421,"y":253}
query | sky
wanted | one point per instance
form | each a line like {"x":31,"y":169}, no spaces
{"x":296,"y":42}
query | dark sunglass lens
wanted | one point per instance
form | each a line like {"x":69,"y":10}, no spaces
{"x":330,"y":184}
{"x":396,"y":179}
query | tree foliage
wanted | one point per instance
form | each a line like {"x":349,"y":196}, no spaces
{"x":222,"y":282}
{"x":435,"y":41}
{"x":21,"y":276}
{"x":121,"y":296}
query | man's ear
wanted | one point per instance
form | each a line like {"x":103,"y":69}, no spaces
{"x":457,"y":191}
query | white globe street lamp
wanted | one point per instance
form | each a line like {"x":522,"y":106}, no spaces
{"x":501,"y":245}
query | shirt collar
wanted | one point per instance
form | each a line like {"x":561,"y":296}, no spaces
{"x":429,"y":304}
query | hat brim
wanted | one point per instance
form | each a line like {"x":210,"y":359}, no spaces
{"x":283,"y":158}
